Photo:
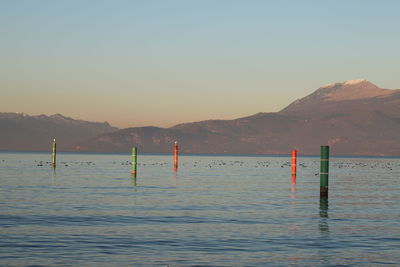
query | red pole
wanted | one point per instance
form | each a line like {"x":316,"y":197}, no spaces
{"x":294,"y":162}
{"x":176,"y":156}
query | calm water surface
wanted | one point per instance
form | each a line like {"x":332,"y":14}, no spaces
{"x":215,"y":211}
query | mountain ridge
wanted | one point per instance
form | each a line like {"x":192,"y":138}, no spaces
{"x":354,"y":117}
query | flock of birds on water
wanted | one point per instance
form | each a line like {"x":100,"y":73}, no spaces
{"x":336,"y":163}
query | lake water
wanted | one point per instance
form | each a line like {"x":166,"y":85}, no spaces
{"x":215,"y":211}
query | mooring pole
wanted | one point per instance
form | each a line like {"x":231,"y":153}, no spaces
{"x":324,"y":173}
{"x":176,"y":156}
{"x":53,"y":158}
{"x":134,"y":161}
{"x":294,"y":162}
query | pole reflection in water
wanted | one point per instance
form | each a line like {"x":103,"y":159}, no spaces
{"x":293,"y":191}
{"x":323,"y":214}
{"x":293,"y":179}
{"x":54,"y":176}
{"x":293,"y":188}
{"x":133,"y":180}
{"x":293,"y":204}
{"x":175,"y":179}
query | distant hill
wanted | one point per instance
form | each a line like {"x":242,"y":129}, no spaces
{"x":354,"y":118}
{"x":21,"y":132}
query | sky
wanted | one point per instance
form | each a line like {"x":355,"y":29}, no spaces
{"x":160,"y":63}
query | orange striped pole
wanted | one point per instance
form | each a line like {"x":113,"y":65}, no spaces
{"x":294,"y":163}
{"x":176,"y":156}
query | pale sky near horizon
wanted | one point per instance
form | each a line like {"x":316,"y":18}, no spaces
{"x":140,"y":63}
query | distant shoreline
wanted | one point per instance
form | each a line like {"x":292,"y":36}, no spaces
{"x":198,"y":155}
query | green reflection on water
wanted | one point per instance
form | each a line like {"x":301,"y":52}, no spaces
{"x":323,"y":214}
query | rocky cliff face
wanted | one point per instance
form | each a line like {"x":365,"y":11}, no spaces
{"x":353,"y":117}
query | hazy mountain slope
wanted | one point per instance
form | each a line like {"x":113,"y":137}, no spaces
{"x":244,"y":135}
{"x":35,"y":133}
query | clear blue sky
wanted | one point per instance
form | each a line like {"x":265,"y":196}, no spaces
{"x":137,"y":63}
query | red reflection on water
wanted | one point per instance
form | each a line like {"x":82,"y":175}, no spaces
{"x":175,"y":179}
{"x":293,"y":186}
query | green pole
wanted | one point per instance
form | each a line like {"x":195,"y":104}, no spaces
{"x":324,"y":173}
{"x":134,"y":160}
{"x":53,"y":161}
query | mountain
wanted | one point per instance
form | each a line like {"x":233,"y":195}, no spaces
{"x":353,"y":117}
{"x":21,"y":132}
{"x":355,"y":95}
